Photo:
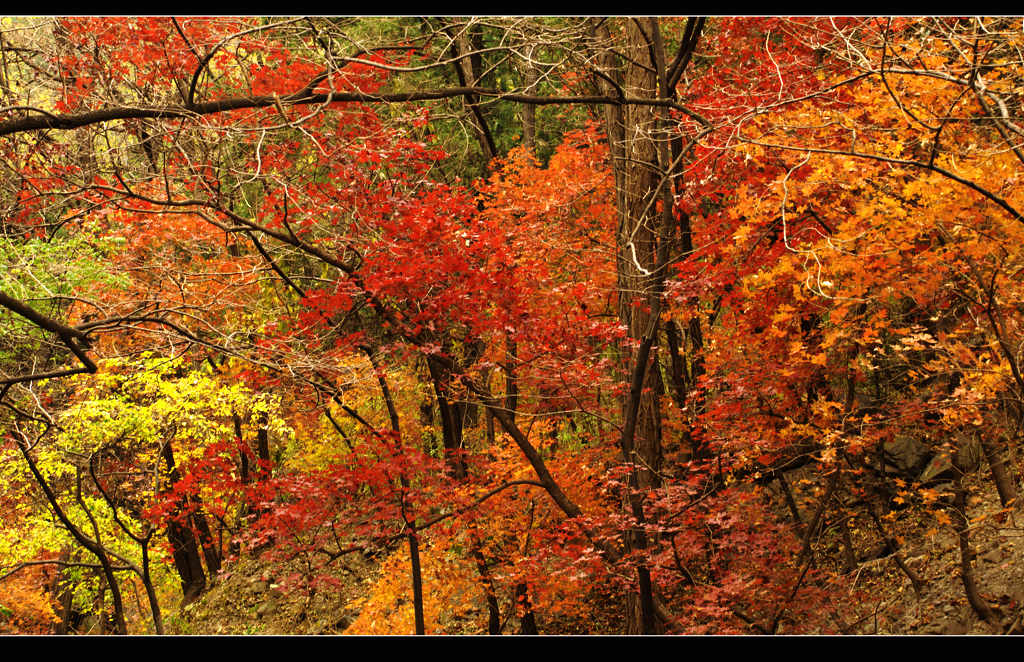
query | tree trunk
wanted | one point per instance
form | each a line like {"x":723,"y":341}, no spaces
{"x":95,"y":547}
{"x":410,"y":522}
{"x":466,"y":46}
{"x":962,"y":523}
{"x":211,"y":552}
{"x":451,"y":421}
{"x":638,"y":167}
{"x":187,"y":561}
{"x":493,"y":611}
{"x":184,"y":550}
{"x":529,"y":111}
{"x":996,"y":458}
{"x":62,"y":589}
{"x":527,"y":621}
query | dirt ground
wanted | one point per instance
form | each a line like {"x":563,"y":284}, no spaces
{"x":250,"y":599}
{"x":933,"y":553}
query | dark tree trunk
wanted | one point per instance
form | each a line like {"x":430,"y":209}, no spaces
{"x":93,"y":546}
{"x":451,"y":421}
{"x":417,"y":580}
{"x":263,"y":445}
{"x":490,"y":427}
{"x":962,"y":523}
{"x":642,"y":242}
{"x":996,"y":457}
{"x":466,"y":45}
{"x":184,"y":550}
{"x":410,"y":522}
{"x":63,"y":591}
{"x":511,"y":384}
{"x":493,"y":611}
{"x":187,"y":561}
{"x":211,"y":552}
{"x":527,"y":621}
{"x":245,"y":475}
{"x":893,"y":545}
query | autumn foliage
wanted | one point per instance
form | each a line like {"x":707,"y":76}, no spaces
{"x":730,"y":295}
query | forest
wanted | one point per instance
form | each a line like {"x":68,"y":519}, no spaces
{"x":511,"y":325}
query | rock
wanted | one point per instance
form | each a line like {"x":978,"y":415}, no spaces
{"x":266,"y":608}
{"x":875,"y":552}
{"x":939,"y":465}
{"x":907,"y":454}
{"x":344,"y":622}
{"x":954,"y":626}
{"x":968,"y":456}
{"x":992,"y":556}
{"x":947,"y":625}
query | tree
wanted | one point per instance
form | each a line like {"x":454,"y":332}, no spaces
{"x":728,"y":252}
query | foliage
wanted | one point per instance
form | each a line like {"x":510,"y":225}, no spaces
{"x":559,"y":321}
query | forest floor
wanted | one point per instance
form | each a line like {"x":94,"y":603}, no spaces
{"x":933,"y":554}
{"x":247,"y":599}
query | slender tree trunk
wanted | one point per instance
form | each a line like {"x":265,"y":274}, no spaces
{"x":529,"y":111}
{"x":410,"y":522}
{"x":62,"y":589}
{"x":184,"y":550}
{"x":493,"y":611}
{"x":95,"y":547}
{"x":466,"y":46}
{"x":490,"y":427}
{"x":527,"y":619}
{"x":849,"y":552}
{"x":235,"y":547}
{"x":892,"y":544}
{"x":511,"y":383}
{"x":790,"y":501}
{"x":451,"y":420}
{"x":678,"y":372}
{"x":263,"y":444}
{"x":417,"y":579}
{"x":147,"y":583}
{"x":996,"y":457}
{"x":962,"y":523}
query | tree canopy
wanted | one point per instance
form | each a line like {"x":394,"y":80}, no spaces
{"x":604,"y":324}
